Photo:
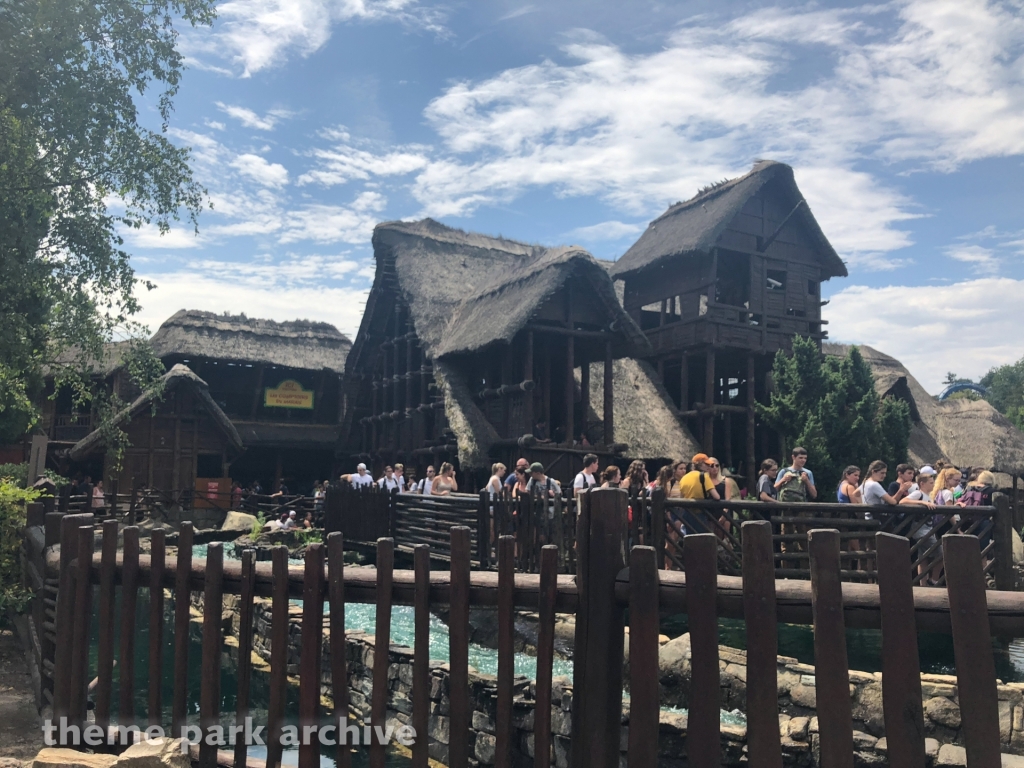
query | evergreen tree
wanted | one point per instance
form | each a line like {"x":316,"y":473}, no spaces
{"x":829,"y":406}
{"x":1005,"y":386}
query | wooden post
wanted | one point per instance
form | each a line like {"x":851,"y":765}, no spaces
{"x":257,"y":392}
{"x":547,"y":387}
{"x":709,"y":401}
{"x":311,"y":651}
{"x":684,"y":382}
{"x":570,"y":390}
{"x":584,"y":397}
{"x":528,"y":376}
{"x":750,"y":459}
{"x":1003,"y":536}
{"x":609,"y":401}
{"x":597,"y":675}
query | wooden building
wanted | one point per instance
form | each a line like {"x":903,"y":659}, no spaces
{"x":176,"y":434}
{"x":718,"y":284}
{"x":278,"y":384}
{"x":476,"y":349}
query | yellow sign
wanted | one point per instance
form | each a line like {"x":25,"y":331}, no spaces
{"x":288,"y":394}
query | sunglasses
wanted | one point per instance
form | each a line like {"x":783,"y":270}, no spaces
{"x":714,"y":465}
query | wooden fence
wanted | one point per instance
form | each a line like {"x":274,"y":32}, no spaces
{"x":601,"y":592}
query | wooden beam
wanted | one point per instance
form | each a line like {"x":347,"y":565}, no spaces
{"x":570,"y":390}
{"x":750,"y":458}
{"x":585,"y":398}
{"x":709,"y":400}
{"x":528,"y":376}
{"x":258,"y":391}
{"x":609,"y":376}
{"x":684,"y":382}
{"x":560,"y":331}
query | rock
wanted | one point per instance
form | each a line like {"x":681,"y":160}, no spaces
{"x":931,"y":748}
{"x":803,"y":695}
{"x":943,"y":711}
{"x":242,"y":522}
{"x":1018,"y":548}
{"x":12,"y":762}
{"x":950,"y":755}
{"x":60,"y":757}
{"x":862,"y":741}
{"x":158,"y":753}
{"x":798,"y":728}
{"x":1005,"y":721}
{"x":484,"y":749}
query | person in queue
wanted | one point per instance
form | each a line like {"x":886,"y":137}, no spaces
{"x":521,"y":464}
{"x":362,"y":478}
{"x":848,"y":490}
{"x":766,"y":481}
{"x":585,"y":479}
{"x":611,"y":477}
{"x":795,"y":483}
{"x":445,"y":483}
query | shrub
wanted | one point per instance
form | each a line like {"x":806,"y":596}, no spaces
{"x":13,"y":595}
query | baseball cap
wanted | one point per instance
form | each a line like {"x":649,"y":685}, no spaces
{"x":700,"y":458}
{"x":536,"y":467}
{"x":927,"y":469}
{"x":360,"y":466}
{"x":291,"y":513}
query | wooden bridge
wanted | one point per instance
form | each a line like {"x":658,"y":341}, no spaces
{"x":411,"y":520}
{"x":610,"y":578}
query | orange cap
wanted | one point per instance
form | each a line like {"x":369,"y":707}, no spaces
{"x":700,"y":458}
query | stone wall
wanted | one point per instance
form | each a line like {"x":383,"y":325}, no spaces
{"x":797,"y":722}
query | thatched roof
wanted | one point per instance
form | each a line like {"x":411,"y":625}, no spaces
{"x":466,"y":290}
{"x":108,"y":362}
{"x":646,"y":419}
{"x":474,"y":434}
{"x":968,"y":433}
{"x":693,"y":227}
{"x":178,"y":376}
{"x":300,"y":344}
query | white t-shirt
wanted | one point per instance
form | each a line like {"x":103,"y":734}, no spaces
{"x":424,"y":486}
{"x":361,"y":480}
{"x":390,"y":483}
{"x":583,"y":480}
{"x":873,"y":493}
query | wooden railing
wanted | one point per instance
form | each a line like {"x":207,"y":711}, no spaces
{"x":599,"y":595}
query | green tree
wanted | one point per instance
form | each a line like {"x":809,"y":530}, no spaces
{"x":77,"y":166}
{"x":829,"y":406}
{"x":1005,"y":385}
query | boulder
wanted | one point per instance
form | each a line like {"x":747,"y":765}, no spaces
{"x":158,"y":753}
{"x":239,"y":521}
{"x":1018,"y":549}
{"x":61,"y":757}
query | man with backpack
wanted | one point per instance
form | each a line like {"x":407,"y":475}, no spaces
{"x":796,"y":483}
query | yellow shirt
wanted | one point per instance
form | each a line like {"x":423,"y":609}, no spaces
{"x":689,"y":486}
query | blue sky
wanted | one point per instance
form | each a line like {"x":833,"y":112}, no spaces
{"x":578,"y":122}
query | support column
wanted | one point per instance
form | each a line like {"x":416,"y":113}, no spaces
{"x":684,"y":383}
{"x":709,"y":401}
{"x":528,"y":376}
{"x":751,"y":469}
{"x":585,"y":398}
{"x":609,"y":375}
{"x":547,"y":388}
{"x":570,"y":389}
{"x":278,"y":470}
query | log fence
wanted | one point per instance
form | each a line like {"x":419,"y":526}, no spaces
{"x":599,"y":595}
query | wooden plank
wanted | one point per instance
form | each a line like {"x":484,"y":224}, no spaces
{"x":213,"y":641}
{"x":245,"y":635}
{"x":972,"y":646}
{"x":644,"y":706}
{"x":381,"y":648}
{"x":421,"y":657}
{"x":597,"y":671}
{"x":82,"y":619}
{"x":278,"y":654}
{"x":703,"y":730}
{"x":545,"y":655}
{"x":64,"y":619}
{"x":764,"y":748}
{"x":105,"y":641}
{"x":832,"y":679}
{"x":157,"y":558}
{"x":901,"y":667}
{"x":126,"y":648}
{"x":339,"y":662}
{"x":310,"y":654}
{"x":506,"y":650}
{"x":458,"y":653}
{"x":182,"y":576}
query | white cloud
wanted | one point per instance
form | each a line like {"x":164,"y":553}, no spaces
{"x":149,"y":236}
{"x":250,"y":119}
{"x":983,"y":259}
{"x":606,"y":230}
{"x":344,"y":162}
{"x":256,"y":34}
{"x":261,"y":171}
{"x":965,"y":327}
{"x":334,"y":223}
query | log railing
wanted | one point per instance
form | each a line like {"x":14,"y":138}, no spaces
{"x":599,"y":594}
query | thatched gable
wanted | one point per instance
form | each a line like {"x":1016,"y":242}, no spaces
{"x":466,"y":290}
{"x":694,"y":226}
{"x":646,"y":419}
{"x":299,"y":344}
{"x":178,"y":376}
{"x":968,"y":433}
